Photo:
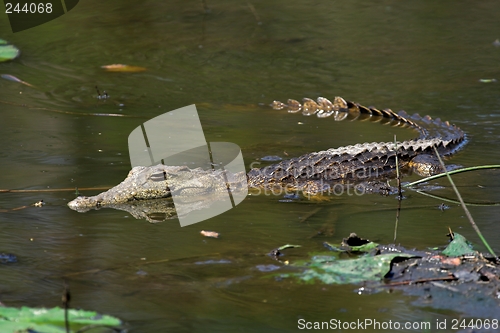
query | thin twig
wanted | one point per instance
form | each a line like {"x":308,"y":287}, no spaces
{"x":408,"y":282}
{"x":464,"y":207}
{"x":468,"y":203}
{"x":398,"y":178}
{"x":398,"y":213}
{"x":400,"y":193}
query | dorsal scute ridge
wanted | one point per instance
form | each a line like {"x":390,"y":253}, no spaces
{"x":340,"y":109}
{"x":323,"y":108}
{"x":417,"y":145}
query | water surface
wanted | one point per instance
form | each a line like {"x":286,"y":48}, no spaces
{"x":424,"y":57}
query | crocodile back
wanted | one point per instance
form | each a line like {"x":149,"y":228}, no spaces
{"x":360,"y":162}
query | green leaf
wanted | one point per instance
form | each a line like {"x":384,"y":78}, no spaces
{"x":50,"y":320}
{"x":459,"y":246}
{"x":364,"y":248}
{"x":8,"y":51}
{"x":331,"y":271}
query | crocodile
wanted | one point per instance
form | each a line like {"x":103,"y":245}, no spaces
{"x":366,"y":167}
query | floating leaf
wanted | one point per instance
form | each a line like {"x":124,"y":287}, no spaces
{"x":123,"y":68}
{"x":329,"y":270}
{"x":342,"y":248}
{"x":27,"y":319}
{"x":459,"y":246}
{"x":353,"y":243}
{"x":8,"y":51}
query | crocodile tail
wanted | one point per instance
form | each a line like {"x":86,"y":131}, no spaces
{"x":448,"y":138}
{"x":341,"y":109}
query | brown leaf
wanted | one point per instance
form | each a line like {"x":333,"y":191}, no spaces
{"x":212,"y":234}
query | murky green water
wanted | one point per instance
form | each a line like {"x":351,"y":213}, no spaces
{"x":425,"y":57}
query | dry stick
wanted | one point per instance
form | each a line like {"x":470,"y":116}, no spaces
{"x":397,"y":169}
{"x":398,"y":212}
{"x":408,"y":282}
{"x":55,"y":190}
{"x":21,"y":207}
{"x":464,"y":207}
{"x":46,"y":190}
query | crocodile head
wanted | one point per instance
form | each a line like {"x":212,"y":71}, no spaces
{"x":160,"y":181}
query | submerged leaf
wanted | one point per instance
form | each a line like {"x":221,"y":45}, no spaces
{"x":50,"y":320}
{"x":8,"y":51}
{"x":331,"y":271}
